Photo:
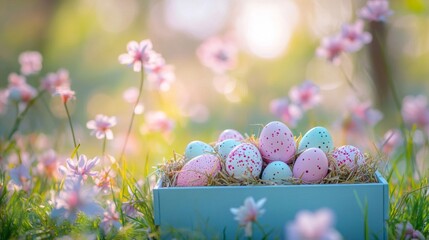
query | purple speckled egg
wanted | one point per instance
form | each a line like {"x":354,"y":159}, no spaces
{"x":348,"y":155}
{"x":276,"y":143}
{"x":230,"y":134}
{"x":244,"y":161}
{"x":311,"y":166}
{"x":195,"y":172}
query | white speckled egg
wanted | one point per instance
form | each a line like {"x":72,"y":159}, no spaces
{"x":276,"y":143}
{"x":196,"y":171}
{"x":244,"y":161}
{"x":197,"y":148}
{"x":348,"y":155}
{"x":311,"y":166}
{"x":226,"y":146}
{"x":230,"y":134}
{"x":277,"y":172}
{"x":317,"y":137}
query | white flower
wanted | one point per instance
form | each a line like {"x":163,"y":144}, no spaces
{"x":248,"y":213}
{"x":75,"y":198}
{"x":81,"y":168}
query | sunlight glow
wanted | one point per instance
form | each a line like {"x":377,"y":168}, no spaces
{"x":267,"y":26}
{"x":199,"y":19}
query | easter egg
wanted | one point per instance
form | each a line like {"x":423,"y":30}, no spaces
{"x":276,"y":143}
{"x":196,"y":171}
{"x":311,"y":166}
{"x":277,"y":172}
{"x":348,"y":155}
{"x":197,"y":148}
{"x":317,"y":137}
{"x":230,"y":134}
{"x":244,"y":161}
{"x":225,"y":147}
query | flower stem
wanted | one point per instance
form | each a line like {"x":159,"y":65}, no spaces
{"x":72,"y":130}
{"x":21,"y":116}
{"x":130,"y":126}
{"x":349,"y":82}
{"x":410,"y":157}
{"x":103,"y":150}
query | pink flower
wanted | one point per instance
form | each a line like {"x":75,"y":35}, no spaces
{"x":139,"y":54}
{"x":48,"y":164}
{"x":19,"y":90}
{"x":31,"y":62}
{"x":392,"y":140}
{"x":158,"y":122}
{"x":364,"y":112}
{"x":313,"y":226}
{"x":20,"y":177}
{"x":82,"y":168}
{"x":161,"y":76}
{"x":218,"y":54}
{"x":305,"y":95}
{"x":331,"y":48}
{"x":248,"y":213}
{"x":54,"y":81}
{"x":415,"y":110}
{"x":289,"y":113}
{"x":131,"y":94}
{"x":103,"y":180}
{"x":354,"y":36}
{"x":4,"y":95}
{"x":406,"y":231}
{"x":65,"y":94}
{"x":111,"y":218}
{"x":75,"y":198}
{"x":101,"y":126}
{"x":375,"y":10}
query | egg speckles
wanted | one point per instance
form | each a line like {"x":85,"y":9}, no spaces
{"x":276,"y":143}
{"x":317,"y":137}
{"x":225,"y":147}
{"x":230,"y":134}
{"x":197,"y":148}
{"x":311,"y":166}
{"x":196,"y":171}
{"x":244,"y":161}
{"x":277,"y":172}
{"x":348,"y":155}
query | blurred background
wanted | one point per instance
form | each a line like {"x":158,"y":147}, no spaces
{"x":276,"y":40}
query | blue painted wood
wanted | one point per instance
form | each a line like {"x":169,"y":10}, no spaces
{"x":207,"y":209}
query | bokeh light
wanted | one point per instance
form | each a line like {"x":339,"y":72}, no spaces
{"x":265,"y":27}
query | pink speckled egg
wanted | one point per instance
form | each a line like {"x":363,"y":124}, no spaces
{"x":348,"y":155}
{"x":276,"y":143}
{"x":311,"y":166}
{"x":195,"y":172}
{"x":230,"y":134}
{"x":244,"y":161}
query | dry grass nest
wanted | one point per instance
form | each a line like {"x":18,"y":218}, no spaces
{"x":364,"y":173}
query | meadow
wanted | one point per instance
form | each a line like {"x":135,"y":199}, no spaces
{"x":97,"y":96}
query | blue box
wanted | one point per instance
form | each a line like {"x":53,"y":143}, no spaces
{"x":207,"y":209}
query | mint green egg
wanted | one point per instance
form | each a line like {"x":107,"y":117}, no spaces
{"x":197,"y":148}
{"x":318,"y":137}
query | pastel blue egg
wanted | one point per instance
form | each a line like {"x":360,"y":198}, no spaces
{"x":277,"y":172}
{"x":224,"y":148}
{"x":197,"y":148}
{"x":318,"y":137}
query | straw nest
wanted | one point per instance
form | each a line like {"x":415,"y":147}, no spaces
{"x":364,"y":173}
